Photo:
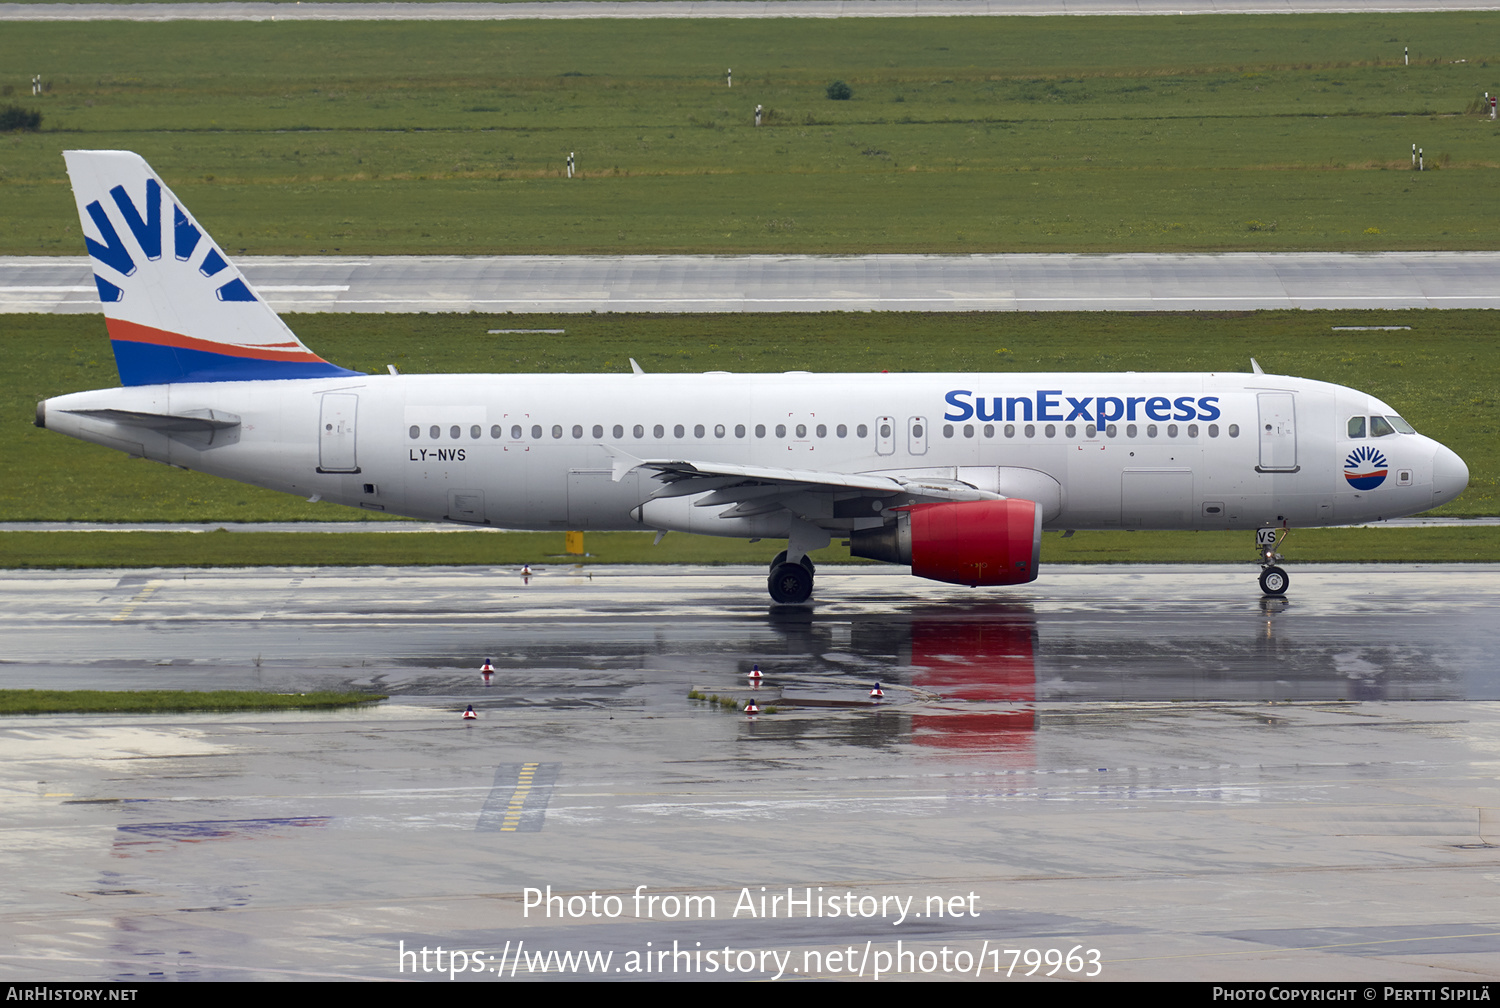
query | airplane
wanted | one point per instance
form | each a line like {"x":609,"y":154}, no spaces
{"x":955,"y":475}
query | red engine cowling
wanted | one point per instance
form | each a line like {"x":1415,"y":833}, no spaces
{"x":969,"y":542}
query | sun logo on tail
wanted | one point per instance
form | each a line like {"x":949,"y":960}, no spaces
{"x":1365,"y":468}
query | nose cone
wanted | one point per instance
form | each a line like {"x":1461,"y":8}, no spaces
{"x":1449,"y":475}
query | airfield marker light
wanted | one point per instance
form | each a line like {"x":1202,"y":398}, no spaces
{"x":729,"y":77}
{"x":1406,"y":55}
{"x":487,"y":670}
{"x":755,"y":672}
{"x":751,"y":709}
{"x":1421,"y":161}
{"x":469,"y":714}
{"x":877,"y":693}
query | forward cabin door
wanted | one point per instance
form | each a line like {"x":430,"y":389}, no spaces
{"x":1278,"y":432}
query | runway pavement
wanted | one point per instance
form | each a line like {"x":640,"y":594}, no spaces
{"x":574,"y":9}
{"x":1060,"y":282}
{"x":1150,"y":762}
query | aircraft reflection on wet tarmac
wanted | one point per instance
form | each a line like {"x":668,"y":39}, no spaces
{"x":998,"y":659}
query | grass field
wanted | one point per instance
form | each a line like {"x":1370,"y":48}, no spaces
{"x":987,"y":134}
{"x":543,"y":550}
{"x":169,"y":701}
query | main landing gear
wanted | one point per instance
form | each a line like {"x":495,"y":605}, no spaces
{"x":1273,"y":580}
{"x":790,"y":583}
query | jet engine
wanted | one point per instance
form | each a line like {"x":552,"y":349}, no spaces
{"x":968,"y":542}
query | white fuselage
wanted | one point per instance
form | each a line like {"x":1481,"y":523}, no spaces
{"x":1097,"y":451}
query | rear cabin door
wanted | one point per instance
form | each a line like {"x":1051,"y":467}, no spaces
{"x":336,"y":452}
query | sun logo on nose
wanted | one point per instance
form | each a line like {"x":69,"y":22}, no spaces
{"x":1365,"y":468}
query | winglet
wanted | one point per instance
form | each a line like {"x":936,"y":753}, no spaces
{"x":176,"y":308}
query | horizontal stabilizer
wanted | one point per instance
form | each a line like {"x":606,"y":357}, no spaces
{"x":196,"y":421}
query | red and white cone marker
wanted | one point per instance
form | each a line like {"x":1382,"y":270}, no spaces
{"x":755,"y":672}
{"x":469,"y":714}
{"x":750,"y":708}
{"x":877,"y":693}
{"x":486,"y":669}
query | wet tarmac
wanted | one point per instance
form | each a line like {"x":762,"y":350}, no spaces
{"x":1152,"y":770}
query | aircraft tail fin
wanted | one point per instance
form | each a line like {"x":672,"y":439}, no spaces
{"x":177,"y":309}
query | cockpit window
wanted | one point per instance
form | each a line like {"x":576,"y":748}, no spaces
{"x":1356,"y":426}
{"x":1401,"y":425}
{"x":1380,"y":427}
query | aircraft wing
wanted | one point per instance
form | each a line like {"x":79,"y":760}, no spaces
{"x":732,"y":484}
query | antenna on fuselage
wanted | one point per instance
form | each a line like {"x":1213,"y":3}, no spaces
{"x":636,"y":368}
{"x":1255,"y":366}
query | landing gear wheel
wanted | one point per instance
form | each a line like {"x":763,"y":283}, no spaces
{"x":790,"y":583}
{"x":1274,"y":581}
{"x":806,"y":562}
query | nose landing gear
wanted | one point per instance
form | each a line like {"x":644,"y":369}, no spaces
{"x":1273,"y":580}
